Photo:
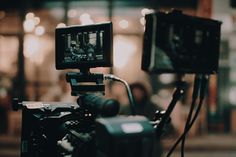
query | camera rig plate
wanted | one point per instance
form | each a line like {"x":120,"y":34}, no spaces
{"x":82,"y":83}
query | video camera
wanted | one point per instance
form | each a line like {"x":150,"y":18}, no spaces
{"x":90,"y":127}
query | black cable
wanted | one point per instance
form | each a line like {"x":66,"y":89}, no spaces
{"x":187,"y":125}
{"x":195,"y":94}
{"x":187,"y":129}
{"x":130,"y":95}
{"x":202,"y":95}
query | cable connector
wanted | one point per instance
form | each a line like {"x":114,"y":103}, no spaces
{"x":130,"y":96}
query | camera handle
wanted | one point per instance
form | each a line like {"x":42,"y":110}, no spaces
{"x":178,"y":93}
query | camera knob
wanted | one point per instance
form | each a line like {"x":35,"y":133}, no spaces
{"x":159,"y":115}
{"x":72,"y":123}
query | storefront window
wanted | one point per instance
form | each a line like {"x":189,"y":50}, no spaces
{"x":8,"y":54}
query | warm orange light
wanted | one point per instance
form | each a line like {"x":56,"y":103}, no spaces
{"x":61,"y":25}
{"x":72,"y":13}
{"x":232,"y":93}
{"x":39,"y":30}
{"x":85,"y":19}
{"x":31,"y":46}
{"x":30,"y":22}
{"x":8,"y":54}
{"x":29,"y":16}
{"x":145,"y":11}
{"x":124,"y":24}
{"x":84,"y":16}
{"x":2,"y":14}
{"x":36,"y":20}
{"x":37,"y":48}
{"x":123,"y":50}
{"x":142,"y":21}
{"x":166,"y":78}
{"x":29,"y":25}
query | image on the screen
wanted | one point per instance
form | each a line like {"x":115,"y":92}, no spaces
{"x":83,"y":47}
{"x":179,"y":43}
{"x":178,"y":48}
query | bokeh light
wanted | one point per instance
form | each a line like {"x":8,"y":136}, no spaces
{"x":123,"y":51}
{"x":61,"y":25}
{"x":36,"y":20}
{"x":72,"y":13}
{"x":29,"y":25}
{"x":124,"y":24}
{"x":142,"y":21}
{"x":39,"y":30}
{"x":85,"y":19}
{"x":145,"y":11}
{"x":29,"y":16}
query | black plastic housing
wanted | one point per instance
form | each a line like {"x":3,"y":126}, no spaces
{"x":74,"y":49}
{"x":179,"y":43}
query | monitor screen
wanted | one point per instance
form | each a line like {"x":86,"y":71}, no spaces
{"x":179,"y":43}
{"x":84,"y":46}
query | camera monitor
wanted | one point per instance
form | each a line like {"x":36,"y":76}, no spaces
{"x":178,"y":43}
{"x":84,"y":46}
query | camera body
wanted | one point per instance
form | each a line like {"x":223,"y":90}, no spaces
{"x":44,"y":124}
{"x":83,"y":129}
{"x":67,"y":130}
